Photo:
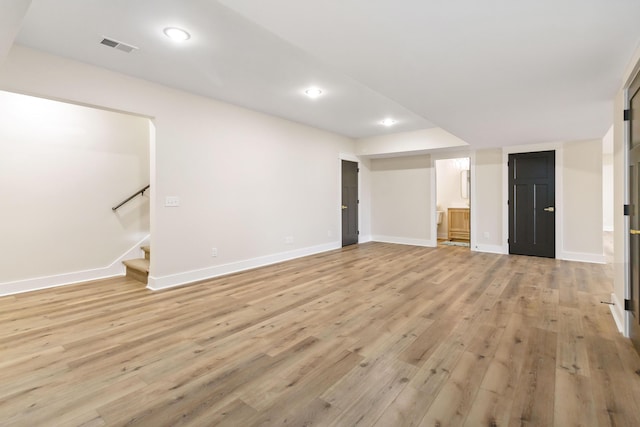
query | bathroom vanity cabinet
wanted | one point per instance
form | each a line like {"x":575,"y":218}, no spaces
{"x":459,"y":223}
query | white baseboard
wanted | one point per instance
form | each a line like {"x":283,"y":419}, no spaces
{"x":172,"y":280}
{"x":492,"y":249}
{"x":404,"y":241}
{"x":617,"y":310}
{"x":565,"y":256}
{"x":364,"y":238}
{"x":112,"y":270}
{"x":582,"y":257}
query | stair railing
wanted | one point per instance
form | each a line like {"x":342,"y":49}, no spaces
{"x":139,"y":192}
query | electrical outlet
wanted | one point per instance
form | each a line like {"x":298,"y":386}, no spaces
{"x":172,"y":201}
{"x":288,"y":240}
{"x":486,"y":234}
{"x":214,"y":252}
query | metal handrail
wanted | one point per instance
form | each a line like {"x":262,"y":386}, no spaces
{"x":140,"y":192}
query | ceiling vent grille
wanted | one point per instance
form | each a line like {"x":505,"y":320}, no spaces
{"x":118,"y":45}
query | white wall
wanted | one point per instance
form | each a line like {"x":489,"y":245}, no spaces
{"x":406,"y":143}
{"x":62,"y":168}
{"x":582,"y":192}
{"x":607,"y":192}
{"x":246,"y":180}
{"x":364,"y":207}
{"x":13,"y":12}
{"x":488,"y":203}
{"x":401,"y":200}
{"x":448,"y":191}
{"x":607,"y":180}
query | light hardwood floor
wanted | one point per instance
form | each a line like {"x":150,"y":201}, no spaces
{"x":371,"y":335}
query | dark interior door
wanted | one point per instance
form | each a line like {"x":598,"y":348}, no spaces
{"x":634,"y":211}
{"x":349,"y":203}
{"x":532,"y":226}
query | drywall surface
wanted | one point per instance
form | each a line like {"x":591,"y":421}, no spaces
{"x":401,"y":200}
{"x":582,"y":182}
{"x":488,"y":203}
{"x":257,"y":188}
{"x":62,"y":168}
{"x":405,"y":143}
{"x":13,"y":12}
{"x":607,"y":192}
{"x":364,"y":207}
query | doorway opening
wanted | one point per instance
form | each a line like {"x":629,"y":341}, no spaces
{"x":63,"y":169}
{"x":453,"y":202}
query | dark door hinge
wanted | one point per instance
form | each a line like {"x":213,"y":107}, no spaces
{"x":627,"y":305}
{"x":627,"y":115}
{"x":358,"y":170}
{"x":627,"y":210}
{"x":358,"y":232}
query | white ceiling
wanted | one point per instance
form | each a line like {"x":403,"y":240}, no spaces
{"x":492,"y":72}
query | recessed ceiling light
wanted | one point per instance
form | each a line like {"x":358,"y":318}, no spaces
{"x":313,"y":92}
{"x":177,"y":34}
{"x":388,"y":122}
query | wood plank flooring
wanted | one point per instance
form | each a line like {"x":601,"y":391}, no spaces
{"x":371,"y":335}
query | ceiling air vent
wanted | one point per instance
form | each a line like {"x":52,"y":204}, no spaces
{"x":118,"y":45}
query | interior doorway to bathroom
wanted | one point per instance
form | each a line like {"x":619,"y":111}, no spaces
{"x":453,"y":202}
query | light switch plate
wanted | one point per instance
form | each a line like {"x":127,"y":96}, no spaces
{"x":172,"y":201}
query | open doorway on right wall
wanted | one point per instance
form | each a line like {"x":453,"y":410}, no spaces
{"x":453,"y":207}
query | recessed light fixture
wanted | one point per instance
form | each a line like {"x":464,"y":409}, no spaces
{"x":388,"y":122}
{"x":313,"y":92}
{"x":177,"y":34}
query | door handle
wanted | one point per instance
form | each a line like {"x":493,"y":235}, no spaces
{"x":632,"y":231}
{"x":550,"y":209}
{"x":343,"y":207}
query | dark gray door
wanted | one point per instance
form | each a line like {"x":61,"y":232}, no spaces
{"x":634,"y":211}
{"x":532,"y":226}
{"x":349,"y":203}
